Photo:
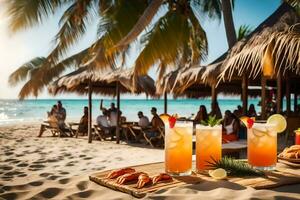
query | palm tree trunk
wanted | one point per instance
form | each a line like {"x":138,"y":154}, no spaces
{"x":228,"y":22}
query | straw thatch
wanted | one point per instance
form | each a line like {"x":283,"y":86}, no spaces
{"x":104,"y":83}
{"x":276,"y":40}
{"x":193,"y":83}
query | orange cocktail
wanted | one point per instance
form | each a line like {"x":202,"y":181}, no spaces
{"x":178,"y":149}
{"x":262,"y":146}
{"x":208,"y":145}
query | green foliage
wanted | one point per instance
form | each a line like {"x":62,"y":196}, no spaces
{"x":244,"y":31}
{"x":235,"y":167}
{"x":211,"y":121}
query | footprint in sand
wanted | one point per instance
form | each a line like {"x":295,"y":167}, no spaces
{"x":64,"y":173}
{"x":36,"y":183}
{"x":37,"y":166}
{"x":22,"y":165}
{"x":84,"y":194}
{"x":88,"y":158}
{"x":8,"y":153}
{"x":82,"y":185}
{"x":13,"y":173}
{"x":45,"y":174}
{"x":11,"y":195}
{"x":50,"y":193}
{"x":5,"y":167}
{"x":81,"y":156}
{"x":53,"y":177}
{"x":64,"y":181}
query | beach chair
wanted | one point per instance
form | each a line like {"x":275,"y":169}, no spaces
{"x":55,"y":129}
{"x":157,"y":141}
{"x":100,"y":133}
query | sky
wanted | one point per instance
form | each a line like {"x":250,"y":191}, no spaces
{"x":18,"y":48}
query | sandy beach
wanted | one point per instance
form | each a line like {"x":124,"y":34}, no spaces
{"x":58,"y":168}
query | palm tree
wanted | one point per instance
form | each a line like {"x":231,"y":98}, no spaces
{"x":175,"y":38}
{"x":113,"y":25}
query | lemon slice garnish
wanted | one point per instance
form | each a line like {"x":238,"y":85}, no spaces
{"x":279,"y":121}
{"x":218,"y":174}
{"x":164,"y":118}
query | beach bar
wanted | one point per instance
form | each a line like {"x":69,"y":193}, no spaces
{"x":84,"y":81}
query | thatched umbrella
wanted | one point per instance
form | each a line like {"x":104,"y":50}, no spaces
{"x":271,"y":51}
{"x":84,"y":81}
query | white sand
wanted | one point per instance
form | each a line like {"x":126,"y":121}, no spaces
{"x":58,"y":168}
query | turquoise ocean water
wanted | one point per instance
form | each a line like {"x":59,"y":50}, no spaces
{"x":14,"y":111}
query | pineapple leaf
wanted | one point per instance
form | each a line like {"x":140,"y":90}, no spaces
{"x":234,"y":167}
{"x":211,"y":121}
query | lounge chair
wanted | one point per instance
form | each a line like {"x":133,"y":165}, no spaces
{"x":157,"y":141}
{"x":55,"y":129}
{"x":100,"y":133}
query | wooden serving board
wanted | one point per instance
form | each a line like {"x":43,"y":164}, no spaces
{"x":282,"y":176}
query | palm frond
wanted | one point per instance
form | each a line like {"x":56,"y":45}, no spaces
{"x":27,"y":13}
{"x":73,"y":27}
{"x":141,"y":24}
{"x":163,"y":42}
{"x":211,"y":8}
{"x":25,"y":71}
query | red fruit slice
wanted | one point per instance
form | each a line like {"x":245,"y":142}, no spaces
{"x":172,"y":121}
{"x":250,"y":122}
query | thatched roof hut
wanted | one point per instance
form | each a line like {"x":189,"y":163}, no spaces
{"x":196,"y":82}
{"x":103,"y":82}
{"x":275,"y":42}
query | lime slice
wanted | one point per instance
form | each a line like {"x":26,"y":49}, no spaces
{"x":218,"y":174}
{"x":279,"y":121}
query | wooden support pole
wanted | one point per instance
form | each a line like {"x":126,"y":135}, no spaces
{"x":165,"y":102}
{"x":263,"y":97}
{"x":295,"y":100}
{"x":118,"y":113}
{"x":288,"y":96}
{"x":279,"y":94}
{"x":90,"y":113}
{"x":213,"y":98}
{"x":245,"y":93}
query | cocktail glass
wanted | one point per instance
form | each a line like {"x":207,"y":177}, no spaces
{"x":297,"y":137}
{"x":178,"y":148}
{"x":262,"y":146}
{"x":208,"y":145}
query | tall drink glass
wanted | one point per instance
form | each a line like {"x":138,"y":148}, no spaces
{"x":262,"y":146}
{"x":178,"y":148}
{"x":208,"y":145}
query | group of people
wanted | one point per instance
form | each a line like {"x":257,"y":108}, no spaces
{"x":107,"y":121}
{"x":231,"y":125}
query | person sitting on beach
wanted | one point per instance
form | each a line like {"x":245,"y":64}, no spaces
{"x":216,"y":111}
{"x":156,"y":124}
{"x":83,"y":124}
{"x":201,"y":115}
{"x":61,"y":115}
{"x":239,"y":111}
{"x":103,"y":123}
{"x":51,"y":119}
{"x":112,"y":113}
{"x":251,"y":111}
{"x":52,"y":114}
{"x":143,"y":120}
{"x":230,"y":127}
